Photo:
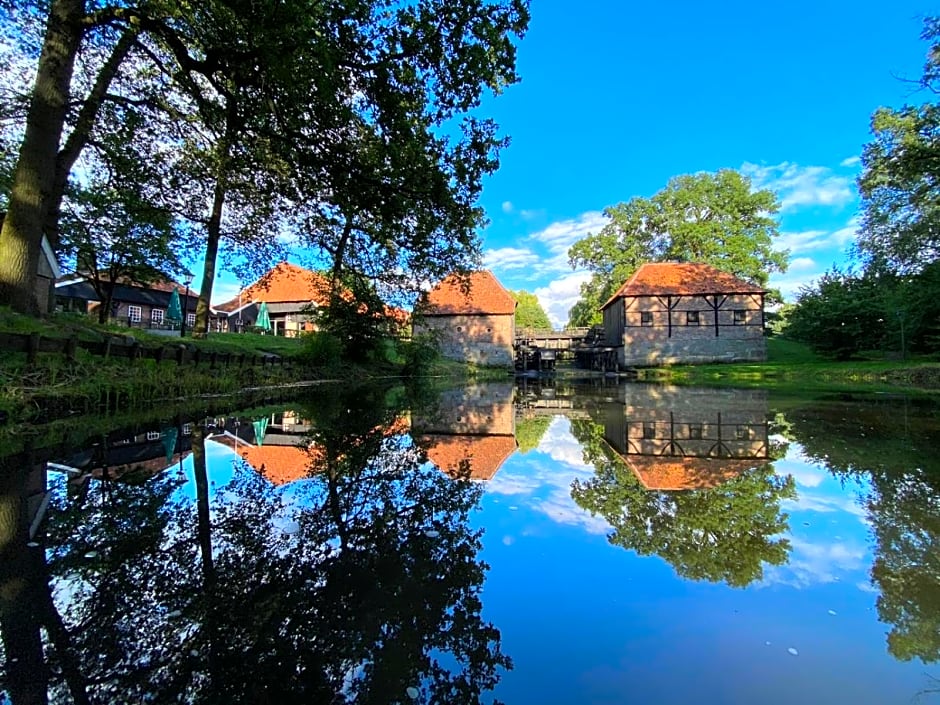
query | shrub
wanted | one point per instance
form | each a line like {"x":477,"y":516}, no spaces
{"x":321,"y":349}
{"x":419,"y":354}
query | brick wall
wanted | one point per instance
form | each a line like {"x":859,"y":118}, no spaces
{"x":482,"y":339}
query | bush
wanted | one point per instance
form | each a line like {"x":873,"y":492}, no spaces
{"x":419,"y":354}
{"x":321,"y":349}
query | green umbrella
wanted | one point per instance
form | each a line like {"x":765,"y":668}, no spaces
{"x":169,"y":437}
{"x":174,"y":312}
{"x":261,"y":427}
{"x":264,"y":320}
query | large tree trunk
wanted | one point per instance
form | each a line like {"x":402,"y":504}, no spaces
{"x":27,"y":675}
{"x":34,"y":176}
{"x":214,"y":227}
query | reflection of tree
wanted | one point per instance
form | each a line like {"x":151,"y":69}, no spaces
{"x":373,"y":591}
{"x":529,"y":431}
{"x":892,"y":443}
{"x":722,"y":534}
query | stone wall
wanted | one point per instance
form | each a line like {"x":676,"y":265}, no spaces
{"x":481,"y":339}
{"x":649,"y":340}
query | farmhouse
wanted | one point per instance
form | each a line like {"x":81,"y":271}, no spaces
{"x":291,"y":294}
{"x":679,"y":312}
{"x":473,"y":319}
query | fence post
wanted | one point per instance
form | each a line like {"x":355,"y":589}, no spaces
{"x":32,"y":348}
{"x":212,"y":360}
{"x":70,"y":346}
{"x":179,"y":354}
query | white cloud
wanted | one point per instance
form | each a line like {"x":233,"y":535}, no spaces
{"x":803,"y":264}
{"x":509,"y":258}
{"x":224,"y":291}
{"x":850,"y":161}
{"x":799,"y":186}
{"x":507,"y":206}
{"x":559,"y":236}
{"x":530,"y":214}
{"x":560,"y":295}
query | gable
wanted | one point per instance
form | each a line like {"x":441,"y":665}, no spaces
{"x":681,"y":279}
{"x":483,"y":295}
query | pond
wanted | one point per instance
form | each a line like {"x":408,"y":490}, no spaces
{"x":531,"y":542}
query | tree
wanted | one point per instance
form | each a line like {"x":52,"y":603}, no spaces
{"x":529,"y":312}
{"x":711,"y":218}
{"x":899,"y":187}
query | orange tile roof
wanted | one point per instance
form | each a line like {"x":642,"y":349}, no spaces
{"x":674,"y":473}
{"x":681,"y":279}
{"x":481,"y":456}
{"x":284,"y":283}
{"x":485,"y":295}
{"x":282,"y":465}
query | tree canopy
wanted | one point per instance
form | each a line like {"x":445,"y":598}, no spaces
{"x":715,"y":219}
{"x":899,"y":187}
{"x":529,"y":312}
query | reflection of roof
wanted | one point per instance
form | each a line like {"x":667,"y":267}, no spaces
{"x":681,"y":279}
{"x":485,"y":295}
{"x":278,"y":464}
{"x":675,"y":473}
{"x":285,"y":282}
{"x":476,"y":457}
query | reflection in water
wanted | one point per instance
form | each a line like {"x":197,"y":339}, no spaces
{"x":319,"y":553}
{"x":684,"y":474}
{"x":893,"y":444}
{"x":359,"y":584}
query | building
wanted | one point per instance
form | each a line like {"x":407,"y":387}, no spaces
{"x":685,"y":313}
{"x":292,"y":295}
{"x":471,"y":433}
{"x":682,"y":438}
{"x":473,"y":319}
{"x":131,"y":305}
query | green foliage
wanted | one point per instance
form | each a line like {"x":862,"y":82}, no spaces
{"x":710,"y":218}
{"x":899,"y":189}
{"x":419,"y":355}
{"x":530,"y":430}
{"x":844,"y":314}
{"x":321,"y":349}
{"x":529,"y":312}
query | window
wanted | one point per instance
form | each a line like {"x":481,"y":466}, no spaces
{"x":190,"y":319}
{"x":156,"y":316}
{"x":153,"y":435}
{"x":740,"y":317}
{"x":649,"y":430}
{"x":646,"y":318}
{"x":187,"y":429}
{"x":133,"y":314}
{"x":691,"y":318}
{"x":744,"y":433}
{"x":695,"y":431}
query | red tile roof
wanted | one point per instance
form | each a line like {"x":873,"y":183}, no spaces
{"x":681,"y":279}
{"x":284,"y":283}
{"x":480,"y":456}
{"x":673,"y":473}
{"x":484,"y":296}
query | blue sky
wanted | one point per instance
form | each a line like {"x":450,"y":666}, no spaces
{"x":618,"y":97}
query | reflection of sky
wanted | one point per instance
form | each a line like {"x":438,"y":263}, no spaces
{"x":588,"y":622}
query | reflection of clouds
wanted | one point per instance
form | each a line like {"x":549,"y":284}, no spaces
{"x":804,"y":474}
{"x":814,"y":563}
{"x":820,"y":502}
{"x":541,"y":480}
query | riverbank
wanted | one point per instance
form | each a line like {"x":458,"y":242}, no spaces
{"x":792,"y":367}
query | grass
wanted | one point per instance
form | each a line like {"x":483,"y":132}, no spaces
{"x":792,"y":366}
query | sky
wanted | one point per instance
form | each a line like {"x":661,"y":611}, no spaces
{"x":617,"y":97}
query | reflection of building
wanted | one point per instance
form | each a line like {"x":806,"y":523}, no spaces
{"x":275,"y":446}
{"x":680,"y":438}
{"x":471,"y":433}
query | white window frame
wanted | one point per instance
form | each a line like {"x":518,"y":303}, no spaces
{"x":190,"y":319}
{"x":156,"y":316}
{"x":134,"y":314}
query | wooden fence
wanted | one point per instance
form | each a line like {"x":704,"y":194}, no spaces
{"x":33,"y":344}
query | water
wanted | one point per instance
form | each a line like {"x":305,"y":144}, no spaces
{"x":547,"y":543}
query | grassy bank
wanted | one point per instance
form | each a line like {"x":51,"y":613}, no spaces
{"x":793,"y":367}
